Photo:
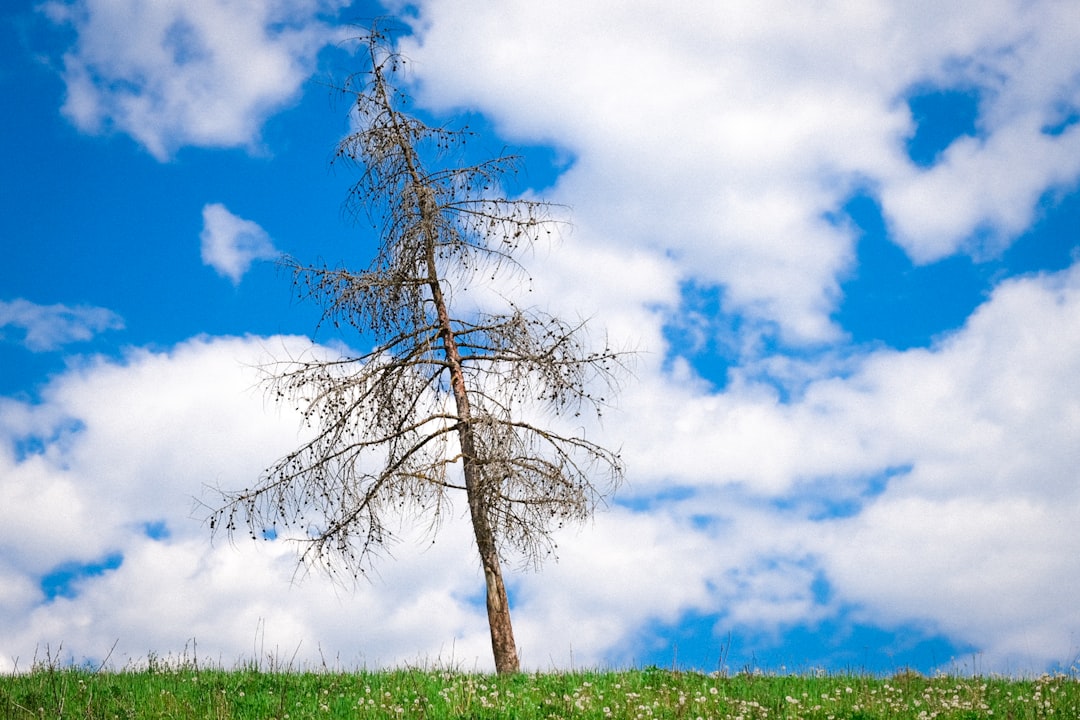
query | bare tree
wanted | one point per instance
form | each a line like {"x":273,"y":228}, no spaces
{"x":444,"y":403}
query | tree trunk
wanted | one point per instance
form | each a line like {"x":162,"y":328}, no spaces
{"x":498,"y":606}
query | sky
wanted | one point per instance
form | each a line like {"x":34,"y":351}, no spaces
{"x":844,"y":240}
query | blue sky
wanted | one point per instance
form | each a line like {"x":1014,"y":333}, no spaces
{"x":844,"y":241}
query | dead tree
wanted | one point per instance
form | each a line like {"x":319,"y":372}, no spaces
{"x":477,"y":403}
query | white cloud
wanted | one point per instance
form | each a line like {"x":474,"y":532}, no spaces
{"x":230,"y":244}
{"x":971,"y":536}
{"x":709,"y":142}
{"x":721,"y":134}
{"x":981,"y":185}
{"x":49,"y":327}
{"x":177,"y":425}
{"x":178,"y":73}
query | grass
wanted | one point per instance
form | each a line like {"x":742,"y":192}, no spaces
{"x":183,"y":691}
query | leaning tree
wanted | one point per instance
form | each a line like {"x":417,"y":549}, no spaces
{"x":452,"y":398}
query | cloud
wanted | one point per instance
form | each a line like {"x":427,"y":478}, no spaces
{"x":932,"y":485}
{"x":983,"y":192}
{"x":722,"y":136}
{"x":930,"y":488}
{"x":177,"y":73}
{"x":84,"y":479}
{"x":230,"y":244}
{"x":50,"y":327}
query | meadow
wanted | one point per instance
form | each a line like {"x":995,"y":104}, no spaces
{"x":188,"y":692}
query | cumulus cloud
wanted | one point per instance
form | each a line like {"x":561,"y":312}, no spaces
{"x":921,"y":488}
{"x":926,"y":485}
{"x":83,"y":479}
{"x":722,"y":135}
{"x":177,"y":73}
{"x":930,"y":488}
{"x":50,"y":327}
{"x":230,"y":243}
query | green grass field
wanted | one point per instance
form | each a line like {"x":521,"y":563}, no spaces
{"x":186,"y":692}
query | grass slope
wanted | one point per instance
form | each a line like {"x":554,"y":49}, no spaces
{"x":187,"y":693}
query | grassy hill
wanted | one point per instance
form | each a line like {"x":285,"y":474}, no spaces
{"x":188,"y":692}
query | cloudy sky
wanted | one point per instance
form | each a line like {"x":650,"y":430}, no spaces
{"x":845,"y":238}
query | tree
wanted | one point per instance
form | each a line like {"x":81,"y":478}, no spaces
{"x":446,"y":402}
